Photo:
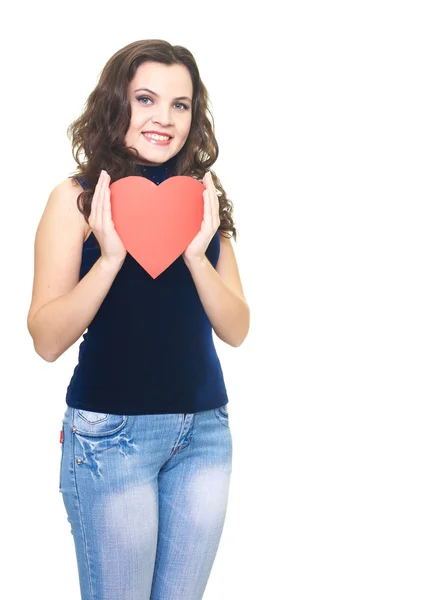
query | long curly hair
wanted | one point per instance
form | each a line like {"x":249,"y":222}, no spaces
{"x":98,"y":135}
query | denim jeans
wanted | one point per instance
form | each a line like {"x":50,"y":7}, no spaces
{"x":146,"y":497}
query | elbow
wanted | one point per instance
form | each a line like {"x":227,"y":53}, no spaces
{"x":247,"y":329}
{"x":235,"y":341}
{"x":50,"y":358}
{"x":239,"y":342}
{"x":45,"y":354}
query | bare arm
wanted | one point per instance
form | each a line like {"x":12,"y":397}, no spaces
{"x":62,"y":307}
{"x":58,"y":325}
{"x":221,"y":294}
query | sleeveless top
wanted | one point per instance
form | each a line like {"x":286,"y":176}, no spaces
{"x":149,"y":349}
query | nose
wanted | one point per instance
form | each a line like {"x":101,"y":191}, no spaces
{"x":163,"y":117}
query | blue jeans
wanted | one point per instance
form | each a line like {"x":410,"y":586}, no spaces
{"x":146,"y":497}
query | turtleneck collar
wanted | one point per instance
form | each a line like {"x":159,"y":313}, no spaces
{"x":158,"y":173}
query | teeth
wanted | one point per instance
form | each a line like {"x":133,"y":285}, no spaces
{"x":154,"y":136}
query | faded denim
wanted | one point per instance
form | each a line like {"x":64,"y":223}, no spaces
{"x":146,"y":497}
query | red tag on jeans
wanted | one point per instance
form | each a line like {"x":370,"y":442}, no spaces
{"x":61,"y":437}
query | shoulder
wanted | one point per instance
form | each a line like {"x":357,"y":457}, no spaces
{"x":64,"y":195}
{"x":67,"y":191}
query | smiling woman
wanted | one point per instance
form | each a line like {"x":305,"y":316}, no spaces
{"x":147,"y":447}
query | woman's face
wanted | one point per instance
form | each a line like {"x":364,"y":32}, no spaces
{"x":166,"y":108}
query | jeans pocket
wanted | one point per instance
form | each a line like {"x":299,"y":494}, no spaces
{"x":95,"y":424}
{"x":222,"y":414}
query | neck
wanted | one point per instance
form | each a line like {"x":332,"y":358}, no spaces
{"x":151,"y":164}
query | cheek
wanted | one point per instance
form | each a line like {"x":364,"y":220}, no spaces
{"x":134,"y":130}
{"x":185,"y":129}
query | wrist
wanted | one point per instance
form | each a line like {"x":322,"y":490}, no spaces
{"x":111,"y":263}
{"x":194,"y":260}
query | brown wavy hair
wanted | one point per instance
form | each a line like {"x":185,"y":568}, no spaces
{"x":99,"y":133}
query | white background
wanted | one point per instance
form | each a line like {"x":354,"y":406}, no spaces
{"x":320,"y":117}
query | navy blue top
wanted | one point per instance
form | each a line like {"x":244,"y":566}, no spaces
{"x":149,"y":349}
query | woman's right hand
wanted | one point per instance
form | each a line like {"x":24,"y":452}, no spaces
{"x":101,"y":223}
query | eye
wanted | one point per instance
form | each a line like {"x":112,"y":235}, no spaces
{"x":185,"y":106}
{"x":140,"y":98}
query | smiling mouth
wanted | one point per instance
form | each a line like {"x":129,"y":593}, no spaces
{"x":156,"y":137}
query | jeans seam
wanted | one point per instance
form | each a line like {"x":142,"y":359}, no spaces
{"x":62,"y":457}
{"x":175,"y":448}
{"x":86,"y":553}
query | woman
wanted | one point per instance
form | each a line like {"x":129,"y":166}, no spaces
{"x":146,"y":443}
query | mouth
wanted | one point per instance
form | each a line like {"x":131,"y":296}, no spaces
{"x":156,"y":138}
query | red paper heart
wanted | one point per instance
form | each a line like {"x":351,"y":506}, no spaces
{"x":157,"y":223}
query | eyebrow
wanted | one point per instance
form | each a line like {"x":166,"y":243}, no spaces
{"x":154,"y":94}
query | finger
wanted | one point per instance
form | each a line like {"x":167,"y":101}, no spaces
{"x":207,"y":216}
{"x":216,"y":207}
{"x":215,"y":203}
{"x":106,"y":209}
{"x":95,"y":202}
{"x":210,"y":188}
{"x":102,"y":200}
{"x":206,"y":180}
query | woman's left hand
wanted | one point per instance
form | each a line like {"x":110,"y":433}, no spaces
{"x":211,"y":221}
